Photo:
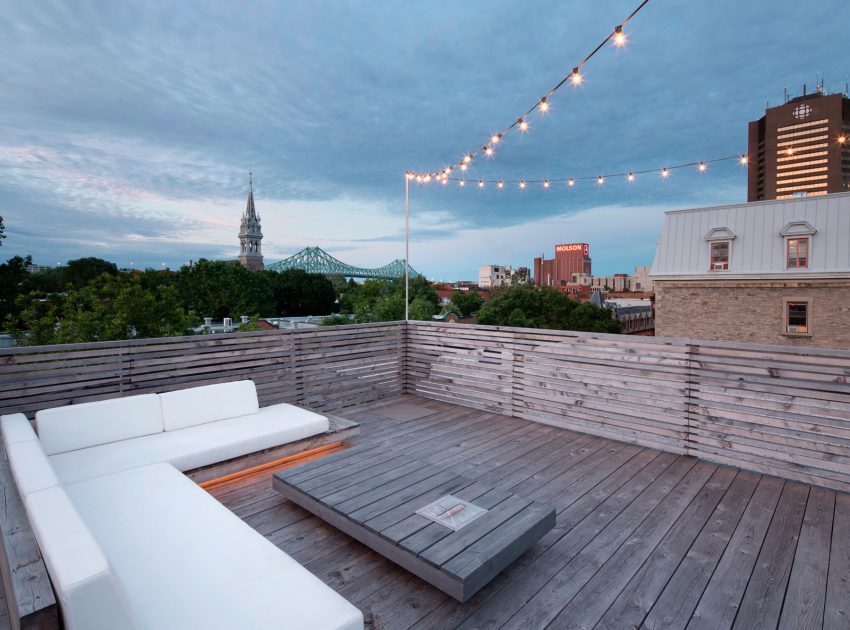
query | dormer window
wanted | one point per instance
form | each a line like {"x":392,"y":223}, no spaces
{"x":797,"y":253}
{"x":720,"y":247}
{"x":719,"y":256}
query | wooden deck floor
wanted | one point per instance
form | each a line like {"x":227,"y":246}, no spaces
{"x":643,"y":538}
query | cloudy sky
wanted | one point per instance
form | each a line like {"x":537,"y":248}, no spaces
{"x":127,"y":129}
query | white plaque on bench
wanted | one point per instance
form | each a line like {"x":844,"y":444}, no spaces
{"x":451,"y":512}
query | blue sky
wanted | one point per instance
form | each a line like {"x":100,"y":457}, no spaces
{"x":127,"y":130}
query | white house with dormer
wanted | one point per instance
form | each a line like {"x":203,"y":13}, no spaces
{"x":763,"y":272}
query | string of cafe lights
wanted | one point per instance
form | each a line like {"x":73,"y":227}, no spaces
{"x":617,"y":37}
{"x":571,"y":182}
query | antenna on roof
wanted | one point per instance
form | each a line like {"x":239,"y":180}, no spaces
{"x":785,"y":92}
{"x":804,"y":89}
{"x":846,"y":87}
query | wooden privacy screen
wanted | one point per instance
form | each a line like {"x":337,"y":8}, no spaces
{"x":322,"y":368}
{"x":776,"y":409}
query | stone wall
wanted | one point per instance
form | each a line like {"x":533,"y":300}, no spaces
{"x":752,"y":311}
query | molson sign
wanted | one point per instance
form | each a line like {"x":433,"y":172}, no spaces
{"x":573,"y":247}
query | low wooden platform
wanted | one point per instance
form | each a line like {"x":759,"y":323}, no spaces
{"x":373,"y":497}
{"x":643,"y":538}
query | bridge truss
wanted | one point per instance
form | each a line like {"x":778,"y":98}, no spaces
{"x":316,"y":260}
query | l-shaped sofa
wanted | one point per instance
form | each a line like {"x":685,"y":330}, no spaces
{"x":130,"y":542}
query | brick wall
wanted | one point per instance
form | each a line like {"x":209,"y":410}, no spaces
{"x":752,"y":311}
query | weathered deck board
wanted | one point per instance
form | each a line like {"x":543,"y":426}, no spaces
{"x":642,"y":538}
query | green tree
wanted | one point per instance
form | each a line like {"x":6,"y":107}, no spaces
{"x":297,"y":292}
{"x":544,"y":307}
{"x":13,"y":275}
{"x":467,"y":302}
{"x":78,"y":273}
{"x":2,"y":231}
{"x":220,"y":289}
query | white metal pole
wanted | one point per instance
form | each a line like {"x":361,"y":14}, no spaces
{"x":406,"y":244}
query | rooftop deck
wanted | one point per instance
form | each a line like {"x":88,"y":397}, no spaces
{"x":644,"y":538}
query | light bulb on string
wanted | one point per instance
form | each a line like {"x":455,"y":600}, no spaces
{"x":743,"y":160}
{"x":522,"y":184}
{"x":501,"y":184}
{"x":571,"y":183}
{"x":481,"y":183}
{"x":444,"y":180}
{"x":630,"y":177}
{"x":665,"y":173}
{"x":467,"y":159}
{"x":842,"y":139}
{"x":494,"y":139}
{"x":461,"y":183}
{"x":619,"y":37}
{"x":703,"y":167}
{"x":427,"y":179}
{"x":488,"y":150}
{"x":523,"y":125}
{"x":419,"y":178}
{"x":545,"y":183}
{"x":463,"y":167}
{"x":575,"y":77}
{"x":544,"y":105}
{"x":600,"y":180}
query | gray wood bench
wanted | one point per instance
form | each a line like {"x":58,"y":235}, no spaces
{"x":373,"y":495}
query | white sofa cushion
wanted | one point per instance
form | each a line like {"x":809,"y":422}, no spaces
{"x":73,"y":427}
{"x":188,"y":562}
{"x":16,"y":428}
{"x":30,"y":467}
{"x":89,"y":594}
{"x":195,"y":446}
{"x":198,"y":405}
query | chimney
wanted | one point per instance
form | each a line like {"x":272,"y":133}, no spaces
{"x":228,"y":324}
{"x":244,"y":319}
{"x":207,"y":322}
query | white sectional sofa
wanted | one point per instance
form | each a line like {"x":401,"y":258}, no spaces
{"x":131,"y":542}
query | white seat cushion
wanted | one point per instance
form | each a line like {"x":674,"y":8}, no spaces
{"x":188,"y":562}
{"x":73,"y":427}
{"x":89,"y":593}
{"x":198,"y":405}
{"x":16,"y":428}
{"x":195,"y":446}
{"x":30,"y":467}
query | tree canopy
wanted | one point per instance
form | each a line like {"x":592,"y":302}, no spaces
{"x":383,"y":300}
{"x":529,"y":306}
{"x":467,"y":302}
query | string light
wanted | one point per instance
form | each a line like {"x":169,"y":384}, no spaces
{"x":545,"y":183}
{"x":600,"y":180}
{"x":617,"y":37}
{"x":571,"y":183}
{"x":501,"y":184}
{"x":522,"y":184}
{"x":702,"y":167}
{"x":488,"y":151}
{"x":463,"y":167}
{"x":665,"y":173}
{"x":744,"y":159}
{"x":630,"y":177}
{"x":481,"y":183}
{"x":842,"y":139}
{"x":461,"y":183}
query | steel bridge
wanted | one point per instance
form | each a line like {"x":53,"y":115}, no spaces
{"x":316,"y":260}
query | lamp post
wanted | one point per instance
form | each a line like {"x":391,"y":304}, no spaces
{"x":406,"y":243}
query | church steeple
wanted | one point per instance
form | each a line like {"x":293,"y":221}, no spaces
{"x":250,"y":233}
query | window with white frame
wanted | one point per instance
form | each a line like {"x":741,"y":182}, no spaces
{"x":719,"y":255}
{"x":798,"y":316}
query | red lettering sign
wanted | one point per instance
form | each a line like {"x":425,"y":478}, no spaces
{"x":573,"y":247}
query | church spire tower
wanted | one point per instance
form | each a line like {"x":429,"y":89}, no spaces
{"x":250,"y":233}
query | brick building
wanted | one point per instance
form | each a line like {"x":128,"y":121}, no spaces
{"x":570,"y":259}
{"x":764,"y":272}
{"x":800,"y":148}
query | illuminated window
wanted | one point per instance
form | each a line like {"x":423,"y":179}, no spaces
{"x":797,"y":253}
{"x":719,"y":256}
{"x":797,"y":317}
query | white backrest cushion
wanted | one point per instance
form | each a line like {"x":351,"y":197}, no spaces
{"x":89,"y":593}
{"x":16,"y":428}
{"x":73,"y":427}
{"x":30,"y":467}
{"x":199,"y":405}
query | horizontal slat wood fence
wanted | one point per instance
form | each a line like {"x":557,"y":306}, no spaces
{"x":776,"y":409}
{"x":322,"y":368}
